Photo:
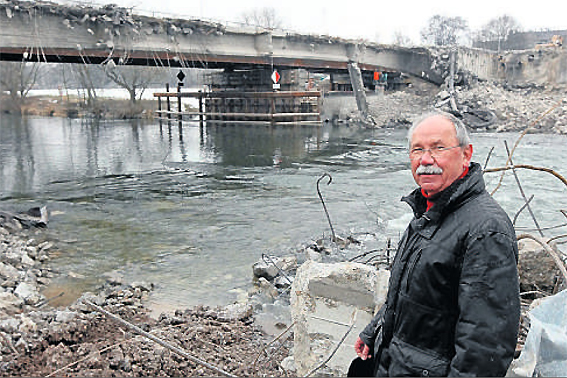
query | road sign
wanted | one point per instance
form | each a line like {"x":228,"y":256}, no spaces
{"x":276,"y":77}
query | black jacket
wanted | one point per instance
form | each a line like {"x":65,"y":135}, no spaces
{"x":453,"y":303}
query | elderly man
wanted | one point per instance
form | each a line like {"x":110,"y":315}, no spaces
{"x":453,"y":302}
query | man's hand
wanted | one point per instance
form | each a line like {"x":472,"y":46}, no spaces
{"x":362,"y":350}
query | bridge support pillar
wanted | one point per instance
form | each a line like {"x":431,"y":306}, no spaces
{"x":358,"y":89}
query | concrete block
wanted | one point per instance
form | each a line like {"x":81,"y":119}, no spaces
{"x":325,"y":300}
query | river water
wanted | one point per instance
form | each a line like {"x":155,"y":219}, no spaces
{"x":192,"y":208}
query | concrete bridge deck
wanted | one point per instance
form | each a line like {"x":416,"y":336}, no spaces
{"x":49,"y":32}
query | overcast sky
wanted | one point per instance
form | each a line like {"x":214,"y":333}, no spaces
{"x":373,"y":20}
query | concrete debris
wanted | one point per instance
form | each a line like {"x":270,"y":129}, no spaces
{"x":324,"y":298}
{"x":111,"y":18}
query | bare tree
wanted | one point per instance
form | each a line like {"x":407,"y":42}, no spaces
{"x":84,"y":75}
{"x":18,"y":78}
{"x":134,"y":79}
{"x":265,"y":17}
{"x":498,"y":29}
{"x":444,"y":31}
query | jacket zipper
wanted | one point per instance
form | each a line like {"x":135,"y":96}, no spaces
{"x":410,"y":272}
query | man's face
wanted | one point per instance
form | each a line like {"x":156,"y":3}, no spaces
{"x":437,"y":131}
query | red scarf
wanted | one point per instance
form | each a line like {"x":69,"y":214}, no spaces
{"x":430,"y":203}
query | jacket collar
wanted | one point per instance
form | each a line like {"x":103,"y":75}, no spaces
{"x":450,"y":198}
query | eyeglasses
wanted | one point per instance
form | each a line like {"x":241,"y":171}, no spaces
{"x":435,"y":152}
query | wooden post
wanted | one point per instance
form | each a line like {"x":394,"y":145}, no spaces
{"x":180,"y":116}
{"x":159,"y":113}
{"x":200,"y":108}
{"x":168,"y":101}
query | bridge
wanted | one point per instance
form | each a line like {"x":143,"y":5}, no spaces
{"x":50,"y":32}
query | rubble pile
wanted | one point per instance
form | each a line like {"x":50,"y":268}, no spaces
{"x":398,"y":108}
{"x":22,"y":271}
{"x":79,"y":341}
{"x":518,"y":107}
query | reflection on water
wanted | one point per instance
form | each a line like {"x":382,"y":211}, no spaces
{"x":192,"y":208}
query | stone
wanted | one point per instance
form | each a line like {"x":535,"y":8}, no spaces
{"x":536,"y":267}
{"x":326,"y":299}
{"x":28,"y":293}
{"x":288,"y":364}
{"x":65,"y":316}
{"x":265,"y":270}
{"x":267,"y":288}
{"x":27,"y":261}
{"x":9,"y":301}
{"x":9,"y":325}
{"x":26,"y":324}
{"x":235,"y":311}
{"x":9,"y":272}
{"x":143,"y":286}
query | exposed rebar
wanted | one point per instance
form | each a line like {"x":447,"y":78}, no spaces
{"x":527,"y":202}
{"x":270,"y":261}
{"x":158,"y":340}
{"x":352,"y":323}
{"x":323,"y":202}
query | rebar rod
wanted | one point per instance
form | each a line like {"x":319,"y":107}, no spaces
{"x":323,"y":202}
{"x":158,"y":340}
{"x":522,"y":191}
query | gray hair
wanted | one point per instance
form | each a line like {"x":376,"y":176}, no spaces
{"x":460,"y":128}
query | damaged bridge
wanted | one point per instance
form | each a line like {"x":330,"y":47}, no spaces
{"x":50,"y":32}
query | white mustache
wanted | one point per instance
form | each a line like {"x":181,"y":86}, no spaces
{"x":428,"y":170}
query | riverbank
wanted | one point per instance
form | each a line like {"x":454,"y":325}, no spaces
{"x":111,"y":332}
{"x":39,"y":340}
{"x":74,"y":107}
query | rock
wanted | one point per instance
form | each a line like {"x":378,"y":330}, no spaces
{"x":267,"y":288}
{"x":313,"y":255}
{"x":65,"y":316}
{"x":143,"y":286}
{"x":7,"y":271}
{"x":27,"y":261}
{"x":283,"y":282}
{"x":265,"y":270}
{"x":236,"y":311}
{"x":288,"y":364}
{"x":9,"y":325}
{"x":28,"y":293}
{"x":536,"y":267}
{"x":26,"y":324}
{"x":9,"y":301}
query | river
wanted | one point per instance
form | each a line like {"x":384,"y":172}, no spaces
{"x":192,"y":208}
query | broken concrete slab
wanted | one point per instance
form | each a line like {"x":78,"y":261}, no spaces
{"x":324,"y":298}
